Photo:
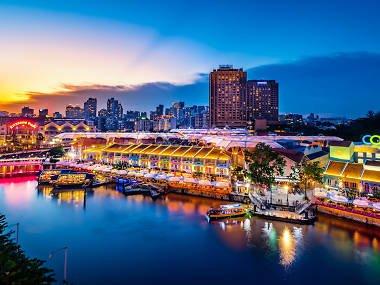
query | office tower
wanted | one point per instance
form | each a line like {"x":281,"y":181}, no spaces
{"x":43,"y":113}
{"x":114,"y":115}
{"x":27,"y":112}
{"x":159,"y":110}
{"x":57,"y":115}
{"x":176,"y":109}
{"x":102,"y":117}
{"x":227,"y":97}
{"x":262,"y":100}
{"x":90,"y":108}
{"x":74,"y":112}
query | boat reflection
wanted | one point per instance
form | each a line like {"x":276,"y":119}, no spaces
{"x":287,"y":241}
{"x":72,"y":197}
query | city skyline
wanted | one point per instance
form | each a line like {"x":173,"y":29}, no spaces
{"x":81,"y":51}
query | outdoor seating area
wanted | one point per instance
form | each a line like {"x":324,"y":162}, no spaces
{"x":173,"y":181}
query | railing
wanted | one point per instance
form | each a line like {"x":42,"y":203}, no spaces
{"x":21,"y":161}
{"x":255,"y":199}
{"x":348,"y":209}
{"x":302,"y":207}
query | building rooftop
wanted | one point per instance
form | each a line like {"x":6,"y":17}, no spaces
{"x":335,"y":168}
{"x":340,"y":143}
{"x":316,"y":155}
{"x":165,"y":150}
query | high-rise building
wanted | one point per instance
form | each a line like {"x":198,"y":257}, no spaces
{"x":176,"y":109}
{"x":43,"y":113}
{"x":227,"y":97}
{"x":159,"y":110}
{"x":27,"y":112}
{"x":74,"y":112}
{"x":57,"y":115}
{"x":102,"y":117}
{"x":114,"y":115}
{"x":262,"y":100}
{"x":90,"y":107}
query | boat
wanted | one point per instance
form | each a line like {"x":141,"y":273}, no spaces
{"x":46,"y":176}
{"x":227,"y":211}
{"x":73,"y":180}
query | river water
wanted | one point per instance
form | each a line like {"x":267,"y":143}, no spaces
{"x":113,"y":239}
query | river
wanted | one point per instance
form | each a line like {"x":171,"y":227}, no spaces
{"x":113,"y":239}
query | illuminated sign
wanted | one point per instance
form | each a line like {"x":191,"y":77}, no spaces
{"x":23,"y":123}
{"x":371,"y":140}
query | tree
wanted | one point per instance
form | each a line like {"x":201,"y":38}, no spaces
{"x":15,"y":266}
{"x":237,"y":173}
{"x":263,"y":165}
{"x":305,"y":173}
{"x":57,"y":151}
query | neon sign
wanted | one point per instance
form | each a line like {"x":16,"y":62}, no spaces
{"x":23,"y":123}
{"x":371,"y":140}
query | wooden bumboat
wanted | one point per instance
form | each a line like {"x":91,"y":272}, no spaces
{"x":227,"y":211}
{"x":73,"y":180}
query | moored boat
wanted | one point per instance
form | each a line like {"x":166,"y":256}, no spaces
{"x":227,"y":211}
{"x":47,"y":176}
{"x":72,"y":180}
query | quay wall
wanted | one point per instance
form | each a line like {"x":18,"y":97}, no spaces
{"x":349,"y":215}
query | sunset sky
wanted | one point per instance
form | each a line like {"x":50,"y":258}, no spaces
{"x":58,"y":52}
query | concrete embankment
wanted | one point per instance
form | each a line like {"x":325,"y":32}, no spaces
{"x":350,"y":215}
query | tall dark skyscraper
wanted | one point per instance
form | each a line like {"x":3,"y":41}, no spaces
{"x":114,"y":114}
{"x":159,"y":110}
{"x":262,"y":100}
{"x":43,"y":113}
{"x":236,"y":101}
{"x":27,"y":112}
{"x":227,"y":97}
{"x":74,"y":112}
{"x":90,"y":107}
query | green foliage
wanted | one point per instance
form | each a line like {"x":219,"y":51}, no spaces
{"x":57,"y":151}
{"x":15,"y":266}
{"x":357,"y":128}
{"x":237,"y":173}
{"x":264,"y":164}
{"x":306,"y":173}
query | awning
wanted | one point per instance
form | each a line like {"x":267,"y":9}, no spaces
{"x":361,"y":202}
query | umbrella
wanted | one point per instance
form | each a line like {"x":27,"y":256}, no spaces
{"x":221,"y":184}
{"x":150,"y":175}
{"x":339,"y":199}
{"x":190,"y":180}
{"x":361,"y":202}
{"x":174,"y":179}
{"x":161,"y":177}
{"x":320,"y":194}
{"x":205,"y":182}
{"x":376,"y":206}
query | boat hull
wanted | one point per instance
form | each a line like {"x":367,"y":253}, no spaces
{"x":225,"y":216}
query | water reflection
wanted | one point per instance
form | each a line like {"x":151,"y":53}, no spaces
{"x":72,"y":197}
{"x":286,"y":241}
{"x":233,"y":244}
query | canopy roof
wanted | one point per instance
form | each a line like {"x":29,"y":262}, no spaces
{"x":212,"y":153}
{"x":335,"y":168}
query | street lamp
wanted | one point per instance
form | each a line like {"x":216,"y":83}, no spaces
{"x":287,"y":194}
{"x":65,"y":249}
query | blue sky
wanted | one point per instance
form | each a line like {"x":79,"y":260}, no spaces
{"x":173,"y":41}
